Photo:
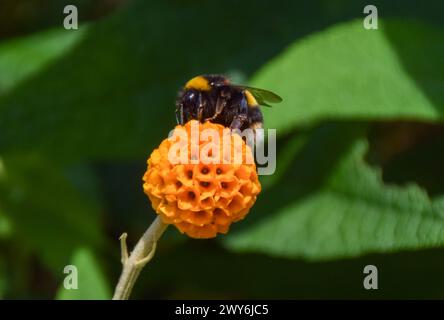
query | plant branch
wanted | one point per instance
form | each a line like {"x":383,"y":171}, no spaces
{"x":143,"y":252}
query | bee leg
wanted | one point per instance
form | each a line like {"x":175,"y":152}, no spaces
{"x":179,"y":114}
{"x":242,"y":117}
{"x":220,"y":104}
{"x":200,"y":107}
{"x":239,"y":121}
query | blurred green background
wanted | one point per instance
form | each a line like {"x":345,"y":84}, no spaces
{"x":360,"y":176}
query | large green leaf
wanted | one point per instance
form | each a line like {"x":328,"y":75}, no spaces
{"x":46,"y":213}
{"x":331,"y":204}
{"x":348,"y":72}
{"x":91,"y":283}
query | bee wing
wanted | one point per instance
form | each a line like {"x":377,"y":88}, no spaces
{"x":262,"y":96}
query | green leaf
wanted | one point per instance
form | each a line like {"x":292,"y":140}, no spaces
{"x":332,"y":204}
{"x":91,"y":284}
{"x":348,"y":72}
{"x":47,"y":214}
{"x":21,"y":59}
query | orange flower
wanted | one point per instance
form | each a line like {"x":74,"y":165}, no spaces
{"x":200,"y":198}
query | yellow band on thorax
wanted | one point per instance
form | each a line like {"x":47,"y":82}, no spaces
{"x":198,"y":83}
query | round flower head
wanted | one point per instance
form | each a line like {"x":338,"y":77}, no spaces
{"x":202,"y":179}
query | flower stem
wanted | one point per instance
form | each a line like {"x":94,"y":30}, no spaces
{"x":143,"y":252}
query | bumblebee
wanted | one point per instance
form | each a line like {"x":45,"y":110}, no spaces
{"x":214,"y":98}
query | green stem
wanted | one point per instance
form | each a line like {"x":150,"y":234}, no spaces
{"x":143,"y":252}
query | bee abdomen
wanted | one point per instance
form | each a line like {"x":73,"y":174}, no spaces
{"x":255,"y":118}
